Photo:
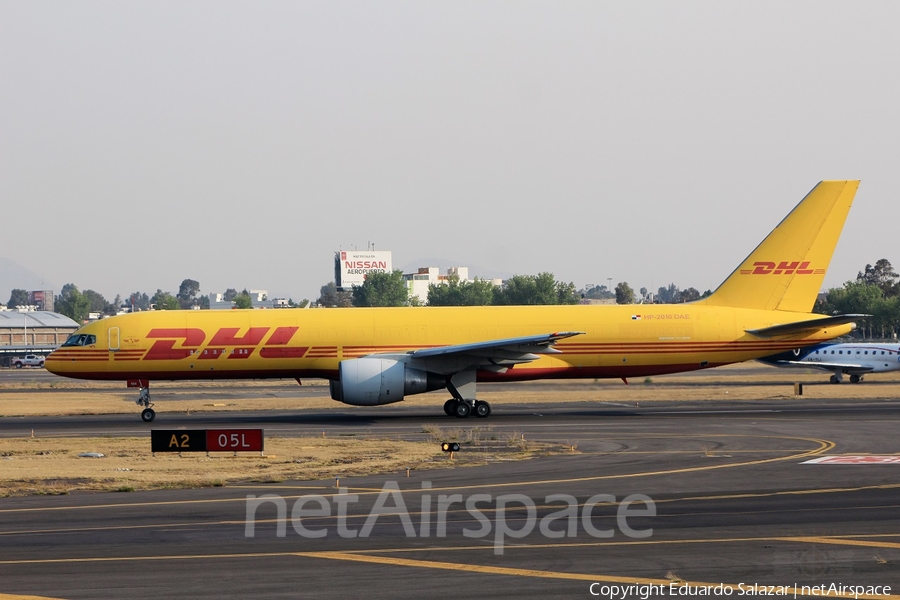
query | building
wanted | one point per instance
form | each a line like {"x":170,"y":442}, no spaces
{"x":32,"y":332}
{"x":43,"y":299}
{"x":417,"y":283}
{"x":258,"y":299}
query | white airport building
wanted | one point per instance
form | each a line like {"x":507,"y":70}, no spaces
{"x":417,"y":283}
{"x":258,"y":299}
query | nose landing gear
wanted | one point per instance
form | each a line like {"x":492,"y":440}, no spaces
{"x":148,"y":414}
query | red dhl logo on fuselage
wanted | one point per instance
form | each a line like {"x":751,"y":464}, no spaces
{"x":225,"y":342}
{"x":781,"y":268}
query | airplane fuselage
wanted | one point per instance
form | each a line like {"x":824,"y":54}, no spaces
{"x":617,"y":341}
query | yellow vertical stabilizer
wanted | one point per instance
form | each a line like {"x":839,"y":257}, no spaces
{"x":786,"y":270}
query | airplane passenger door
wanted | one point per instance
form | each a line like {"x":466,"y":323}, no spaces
{"x":113,"y":338}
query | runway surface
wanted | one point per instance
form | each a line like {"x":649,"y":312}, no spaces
{"x":719,"y":494}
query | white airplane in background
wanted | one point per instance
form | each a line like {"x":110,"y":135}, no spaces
{"x":850,"y":359}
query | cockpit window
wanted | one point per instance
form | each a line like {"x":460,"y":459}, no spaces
{"x":80,"y":339}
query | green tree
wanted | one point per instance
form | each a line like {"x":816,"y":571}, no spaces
{"x":73,"y":303}
{"x":456,"y":293}
{"x":187,"y":293}
{"x":881,"y":275}
{"x":529,"y":290}
{"x":164,"y":300}
{"x":624,"y":294}
{"x":856,"y":297}
{"x":667,"y":295}
{"x":331,"y":297}
{"x":381,"y":289}
{"x":98,"y":303}
{"x":243,"y":300}
{"x":139,"y":300}
{"x":596,"y":292}
{"x":688,"y":295}
{"x":17,"y":298}
{"x":230,"y":295}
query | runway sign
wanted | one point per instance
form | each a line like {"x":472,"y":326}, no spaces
{"x":864,"y":459}
{"x":206,"y":440}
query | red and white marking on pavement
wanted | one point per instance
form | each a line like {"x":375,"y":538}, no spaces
{"x":861,"y":459}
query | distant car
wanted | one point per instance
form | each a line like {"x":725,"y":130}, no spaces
{"x":31,"y":360}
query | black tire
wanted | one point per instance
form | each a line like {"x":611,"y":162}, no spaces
{"x":482,"y":409}
{"x":449,"y":405}
{"x":148,"y":414}
{"x":834,"y":379}
{"x":462,"y":410}
{"x":855,"y":378}
{"x":18,"y":365}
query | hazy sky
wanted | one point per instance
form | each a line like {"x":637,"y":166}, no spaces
{"x":241,"y":143}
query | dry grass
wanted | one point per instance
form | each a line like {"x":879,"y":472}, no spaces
{"x":52,"y":465}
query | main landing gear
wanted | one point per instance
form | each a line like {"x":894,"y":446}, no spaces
{"x":463,"y":402}
{"x":464,"y":408}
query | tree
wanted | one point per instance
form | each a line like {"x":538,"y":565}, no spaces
{"x":624,"y":294}
{"x":230,"y":294}
{"x":381,"y":289}
{"x":164,"y":300}
{"x":667,"y":295}
{"x":598,"y":292}
{"x":882,"y":275}
{"x":856,"y":297}
{"x":187,"y":293}
{"x":331,"y":297}
{"x":456,"y":293}
{"x":243,"y":300}
{"x":17,"y":298}
{"x":73,"y":303}
{"x":139,"y":300}
{"x":538,"y":289}
{"x":98,"y":303}
{"x":688,"y":295}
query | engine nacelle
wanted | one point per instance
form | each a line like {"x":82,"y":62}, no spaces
{"x":372,"y":381}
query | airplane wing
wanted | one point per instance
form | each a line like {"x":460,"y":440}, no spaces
{"x":491,"y":355}
{"x":828,"y":366}
{"x":805,"y":326}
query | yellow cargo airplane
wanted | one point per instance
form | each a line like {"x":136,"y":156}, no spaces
{"x":376,"y":356}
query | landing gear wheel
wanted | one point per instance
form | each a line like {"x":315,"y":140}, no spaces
{"x":449,"y":405}
{"x":462,"y":409}
{"x":855,"y":379}
{"x":834,"y":379}
{"x":148,"y":414}
{"x":482,"y":409}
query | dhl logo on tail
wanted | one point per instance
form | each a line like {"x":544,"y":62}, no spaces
{"x":782,"y":268}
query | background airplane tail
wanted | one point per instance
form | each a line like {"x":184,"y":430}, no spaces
{"x":786,"y":270}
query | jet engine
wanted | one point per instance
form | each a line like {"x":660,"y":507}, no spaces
{"x":371,"y":381}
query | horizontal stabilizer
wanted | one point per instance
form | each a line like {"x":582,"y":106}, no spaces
{"x":806,"y":326}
